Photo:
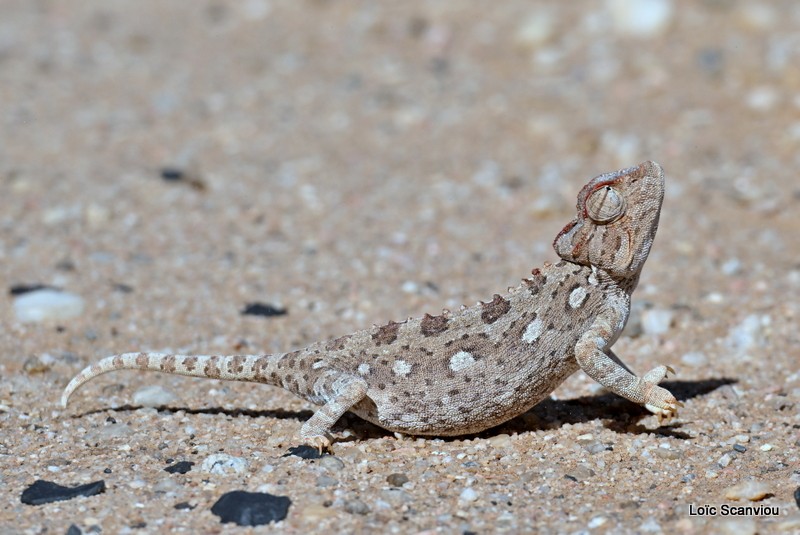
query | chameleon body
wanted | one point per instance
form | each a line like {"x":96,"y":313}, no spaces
{"x":466,"y":371}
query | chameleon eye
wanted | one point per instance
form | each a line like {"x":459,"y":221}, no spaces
{"x":604,"y":205}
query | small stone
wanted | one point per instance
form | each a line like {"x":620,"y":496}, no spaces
{"x":397,"y":480}
{"x":694,"y":359}
{"x":596,"y":522}
{"x":797,"y":497}
{"x":332,"y":463}
{"x":42,"y":492}
{"x":153,"y":396}
{"x":251,"y":508}
{"x":326,"y":481}
{"x":181,"y":467}
{"x":183,"y":506}
{"x":580,"y":473}
{"x":595,"y":446}
{"x":766,"y":447}
{"x":656,"y":320}
{"x":536,"y":29}
{"x":263,"y":309}
{"x":640,"y":18}
{"x":223,"y":464}
{"x":739,"y":448}
{"x":500,"y":441}
{"x":748,"y":334}
{"x":356,"y":507}
{"x":748,"y":490}
{"x":650,"y":525}
{"x":725,"y":460}
{"x":47,"y":305}
{"x":468,"y":495}
{"x":315,"y":513}
{"x":731,"y":266}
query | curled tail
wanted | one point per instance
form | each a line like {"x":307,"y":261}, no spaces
{"x":256,"y":368}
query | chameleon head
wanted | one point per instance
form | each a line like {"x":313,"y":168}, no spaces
{"x":616,"y":221}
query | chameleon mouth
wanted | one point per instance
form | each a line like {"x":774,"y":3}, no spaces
{"x":566,"y":233}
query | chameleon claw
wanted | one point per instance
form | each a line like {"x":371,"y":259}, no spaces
{"x":671,"y":370}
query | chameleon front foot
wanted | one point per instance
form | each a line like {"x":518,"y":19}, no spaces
{"x":658,"y":400}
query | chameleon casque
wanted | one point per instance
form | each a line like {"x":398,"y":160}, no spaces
{"x":466,"y":371}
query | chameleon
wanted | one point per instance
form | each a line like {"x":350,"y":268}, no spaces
{"x":462,"y":372}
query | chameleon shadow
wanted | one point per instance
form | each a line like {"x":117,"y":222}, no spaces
{"x":621,"y":415}
{"x":248,"y":413}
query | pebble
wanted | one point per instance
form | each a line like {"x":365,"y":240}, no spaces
{"x":725,"y":460}
{"x":181,"y":467}
{"x":580,"y":473}
{"x":223,"y":464}
{"x":748,"y":490}
{"x":153,"y":396}
{"x":332,"y":463}
{"x":640,"y":18}
{"x":650,"y":525}
{"x":397,"y":480}
{"x":694,"y":359}
{"x":356,"y":507}
{"x":748,"y":334}
{"x":47,"y":305}
{"x":596,"y":522}
{"x":766,"y":447}
{"x":263,"y":309}
{"x":739,"y":448}
{"x":500,"y":441}
{"x":251,"y":508}
{"x":327,"y":481}
{"x":536,"y":29}
{"x":468,"y":495}
{"x":41,"y":492}
{"x":797,"y":497}
{"x":656,"y":320}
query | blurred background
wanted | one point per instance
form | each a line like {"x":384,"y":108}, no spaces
{"x":176,"y":160}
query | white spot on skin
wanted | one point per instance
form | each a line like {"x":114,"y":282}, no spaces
{"x":461,"y":361}
{"x":593,"y":277}
{"x":533,"y":331}
{"x":577,"y":297}
{"x":401,"y":367}
{"x":363,"y":369}
{"x":317,"y":365}
{"x":446,"y":400}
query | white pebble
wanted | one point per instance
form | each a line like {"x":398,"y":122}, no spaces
{"x":641,"y":18}
{"x":748,"y":334}
{"x":46,"y":304}
{"x":153,"y":396}
{"x":748,"y":490}
{"x":694,"y":358}
{"x":536,"y":29}
{"x":596,"y":522}
{"x":468,"y":495}
{"x":766,"y":447}
{"x":656,"y":320}
{"x":223,"y":464}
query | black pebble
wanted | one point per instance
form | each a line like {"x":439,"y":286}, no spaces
{"x":739,"y":448}
{"x":261,"y":309}
{"x":251,"y":508}
{"x":184,"y":506}
{"x":19,"y":289}
{"x":180,"y":467}
{"x":171,"y":174}
{"x":42,"y":492}
{"x":797,"y":497}
{"x":74,"y":530}
{"x":304,"y":452}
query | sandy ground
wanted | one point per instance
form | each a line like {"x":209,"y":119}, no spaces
{"x":356,"y":162}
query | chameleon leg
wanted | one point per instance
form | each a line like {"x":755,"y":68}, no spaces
{"x":604,"y":367}
{"x":345,"y":392}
